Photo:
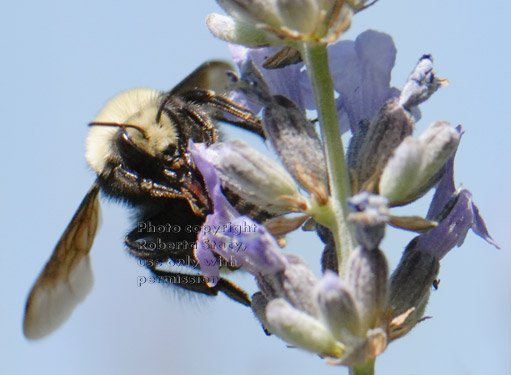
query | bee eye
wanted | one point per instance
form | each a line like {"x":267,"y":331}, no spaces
{"x":125,"y":136}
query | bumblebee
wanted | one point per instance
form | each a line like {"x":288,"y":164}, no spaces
{"x":137,"y":145}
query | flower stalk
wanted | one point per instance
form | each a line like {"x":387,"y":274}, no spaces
{"x":316,"y":58}
{"x":366,"y":369}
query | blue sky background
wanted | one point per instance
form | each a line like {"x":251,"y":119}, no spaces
{"x":60,"y":62}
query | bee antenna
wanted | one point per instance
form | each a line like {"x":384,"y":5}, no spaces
{"x":160,"y":111}
{"x":98,"y":123}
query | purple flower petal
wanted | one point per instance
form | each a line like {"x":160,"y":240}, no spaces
{"x":223,"y":209}
{"x":260,"y":252}
{"x":224,"y":212}
{"x":479,"y":227}
{"x":255,"y":249}
{"x":445,"y":188}
{"x":361,"y":73}
{"x":287,"y":81}
{"x":454,"y":228}
{"x":360,"y":70}
{"x":463,"y":216}
{"x":444,"y":191}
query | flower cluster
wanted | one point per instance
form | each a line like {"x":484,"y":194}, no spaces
{"x":356,"y":308}
{"x":257,"y":23}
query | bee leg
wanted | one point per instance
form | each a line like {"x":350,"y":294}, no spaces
{"x":197,"y":283}
{"x":256,"y":128}
{"x":247,"y":120}
{"x":139,"y":249}
{"x":123,"y":183}
{"x":234,"y":292}
{"x":131,"y":183}
{"x":189,"y":120}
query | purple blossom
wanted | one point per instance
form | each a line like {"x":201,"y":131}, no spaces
{"x":290,"y":81}
{"x":361,"y":73}
{"x":223,"y":208}
{"x":224,"y":212}
{"x":360,"y":70}
{"x":453,"y":229}
{"x":255,"y":250}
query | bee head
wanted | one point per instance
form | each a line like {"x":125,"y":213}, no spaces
{"x":151,"y":132}
{"x":135,"y":112}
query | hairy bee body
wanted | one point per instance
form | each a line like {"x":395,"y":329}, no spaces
{"x":137,"y":145}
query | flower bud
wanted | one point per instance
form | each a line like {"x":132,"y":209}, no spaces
{"x":296,"y":283}
{"x":417,"y":164}
{"x":373,"y":145}
{"x":276,"y":22}
{"x":412,"y":278}
{"x":367,"y":279}
{"x":338,"y":308}
{"x":421,"y":84}
{"x":370,"y":218}
{"x":259,"y":303}
{"x":298,"y":145}
{"x":301,"y":329}
{"x":255,"y":177}
{"x":240,"y":32}
{"x":410,"y":286}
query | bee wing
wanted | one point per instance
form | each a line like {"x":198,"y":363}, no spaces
{"x":67,"y":277}
{"x":212,"y":75}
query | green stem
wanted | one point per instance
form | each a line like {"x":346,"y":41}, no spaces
{"x":316,"y":58}
{"x":367,"y":369}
